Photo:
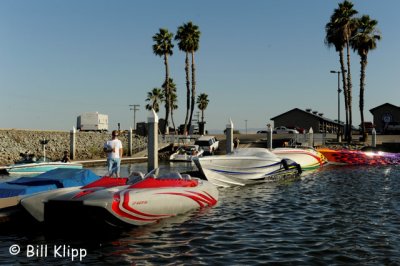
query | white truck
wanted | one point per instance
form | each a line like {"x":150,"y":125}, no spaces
{"x":92,"y":121}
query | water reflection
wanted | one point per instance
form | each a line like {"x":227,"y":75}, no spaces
{"x":332,"y":215}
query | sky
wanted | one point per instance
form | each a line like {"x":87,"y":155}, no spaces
{"x":257,"y":59}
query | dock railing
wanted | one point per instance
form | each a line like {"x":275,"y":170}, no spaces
{"x":319,"y":139}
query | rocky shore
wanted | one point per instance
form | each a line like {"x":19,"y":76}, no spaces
{"x":89,"y":145}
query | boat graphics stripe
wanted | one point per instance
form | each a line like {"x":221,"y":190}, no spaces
{"x":123,"y":209}
{"x":199,"y":198}
{"x":242,"y":172}
{"x":320,"y":158}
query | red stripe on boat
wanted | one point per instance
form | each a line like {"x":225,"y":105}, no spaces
{"x":151,"y":182}
{"x":115,"y":207}
{"x":107,"y":182}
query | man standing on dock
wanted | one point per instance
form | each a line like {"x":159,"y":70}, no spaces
{"x":114,"y":151}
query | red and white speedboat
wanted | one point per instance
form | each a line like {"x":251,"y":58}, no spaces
{"x":121,"y":201}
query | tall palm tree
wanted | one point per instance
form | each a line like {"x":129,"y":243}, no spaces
{"x":173,"y":97}
{"x":363,"y":41}
{"x":154,"y":97}
{"x":202,"y":103}
{"x":338,"y":33}
{"x":189,"y":38}
{"x":184,"y":45}
{"x":163,"y":47}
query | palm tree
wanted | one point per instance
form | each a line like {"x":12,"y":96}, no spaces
{"x":174,"y":106}
{"x":338,"y":33}
{"x":184,"y":45}
{"x":189,"y":38}
{"x":202,"y":103}
{"x":363,"y":41}
{"x":173,"y":97}
{"x":154,"y":97}
{"x":163,"y":47}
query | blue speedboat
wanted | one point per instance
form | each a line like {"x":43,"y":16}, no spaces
{"x":12,"y":191}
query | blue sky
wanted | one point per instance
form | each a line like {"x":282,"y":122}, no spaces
{"x":257,"y":59}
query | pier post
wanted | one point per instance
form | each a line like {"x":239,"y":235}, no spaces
{"x":130,"y":144}
{"x":311,"y":137}
{"x":152,"y":149}
{"x":229,"y":137}
{"x":373,"y":138}
{"x":72,"y":143}
{"x":269,"y":136}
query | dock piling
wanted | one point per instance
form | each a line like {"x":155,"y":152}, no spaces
{"x":229,"y":137}
{"x":152,"y":148}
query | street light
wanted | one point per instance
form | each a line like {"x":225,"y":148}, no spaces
{"x":135,"y":108}
{"x":338,"y":94}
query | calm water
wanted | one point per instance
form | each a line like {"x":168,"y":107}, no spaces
{"x":335,"y":215}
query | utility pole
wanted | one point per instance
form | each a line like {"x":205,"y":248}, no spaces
{"x":134,"y":107}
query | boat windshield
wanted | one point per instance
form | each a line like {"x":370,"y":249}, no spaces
{"x":156,"y":173}
{"x":174,"y":175}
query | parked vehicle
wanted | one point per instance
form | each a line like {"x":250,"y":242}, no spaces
{"x":92,"y":121}
{"x":392,"y":128}
{"x":369,"y":126}
{"x":284,"y":130}
{"x":208,"y":143}
{"x":300,"y":129}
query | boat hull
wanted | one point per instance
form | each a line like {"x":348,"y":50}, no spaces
{"x":186,"y":153}
{"x":125,"y":205}
{"x":244,"y":168}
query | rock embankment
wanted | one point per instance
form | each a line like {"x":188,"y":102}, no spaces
{"x":89,"y":145}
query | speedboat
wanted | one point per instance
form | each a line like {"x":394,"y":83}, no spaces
{"x":134,"y":200}
{"x":186,"y":153}
{"x":360,"y":157}
{"x":308,"y":158}
{"x":245,"y":166}
{"x":11,"y":192}
{"x":41,"y":165}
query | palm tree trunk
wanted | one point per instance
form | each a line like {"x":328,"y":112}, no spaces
{"x":187,"y":92}
{"x":349,"y":91}
{"x":167,"y":96}
{"x":193,"y":90}
{"x":172,"y":120}
{"x":363,"y":63}
{"x":344,"y":80}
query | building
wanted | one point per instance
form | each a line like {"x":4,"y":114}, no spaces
{"x":307,"y":119}
{"x":385,"y":114}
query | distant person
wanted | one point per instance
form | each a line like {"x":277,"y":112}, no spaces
{"x":65,"y":158}
{"x":114,"y":151}
{"x":236,"y":142}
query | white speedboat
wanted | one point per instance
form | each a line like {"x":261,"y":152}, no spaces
{"x":186,"y":153}
{"x":308,"y":158}
{"x":244,"y":166}
{"x":39,"y":166}
{"x":123,"y":201}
